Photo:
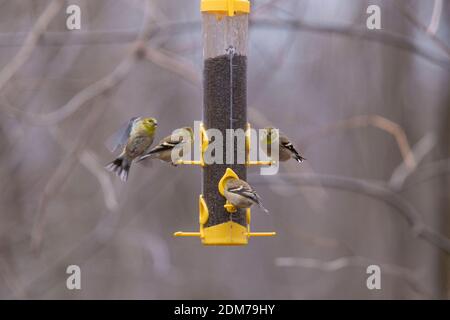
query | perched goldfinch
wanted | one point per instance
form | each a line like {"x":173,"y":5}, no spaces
{"x":135,"y":139}
{"x":241,"y":195}
{"x":286,"y":148}
{"x":173,"y":147}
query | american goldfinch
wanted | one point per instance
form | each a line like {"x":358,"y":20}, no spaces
{"x":286,"y":148}
{"x":173,"y":147}
{"x":135,"y":139}
{"x":241,"y":195}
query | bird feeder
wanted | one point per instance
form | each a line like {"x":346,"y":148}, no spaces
{"x":225,"y":34}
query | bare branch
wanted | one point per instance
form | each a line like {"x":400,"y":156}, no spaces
{"x":60,"y":175}
{"x":62,"y":172}
{"x":381,"y":36}
{"x":80,"y":99}
{"x":97,"y":88}
{"x":87,"y":94}
{"x":30,"y":42}
{"x":161,"y":58}
{"x":355,"y":261}
{"x":420,"y":150}
{"x":428,"y":171}
{"x":323,"y":242}
{"x":92,"y":243}
{"x":123,"y":36}
{"x":175,"y":64}
{"x":375,"y":190}
{"x":377,"y":121}
{"x":11,"y":280}
{"x":81,"y":38}
{"x":433,"y":24}
{"x":435,"y":17}
{"x":90,"y":161}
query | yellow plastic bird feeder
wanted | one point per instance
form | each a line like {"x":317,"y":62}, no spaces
{"x":225,"y":31}
{"x":228,"y":233}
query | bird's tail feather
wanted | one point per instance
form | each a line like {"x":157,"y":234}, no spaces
{"x":257,"y":199}
{"x":262,"y":207}
{"x":120,"y":166}
{"x":299,"y":158}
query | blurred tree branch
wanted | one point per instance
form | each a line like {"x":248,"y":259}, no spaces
{"x":371,"y":189}
{"x":381,"y":36}
{"x":80,"y":99}
{"x":91,"y":162}
{"x":30,"y":42}
{"x":435,"y":17}
{"x":159,"y":57}
{"x":434,"y":169}
{"x":60,"y":175}
{"x":430,"y":31}
{"x":355,"y":261}
{"x":96,"y":240}
{"x":62,"y":172}
{"x":377,"y":121}
{"x":11,"y":280}
{"x":420,"y":150}
{"x":175,"y":64}
{"x":175,"y":27}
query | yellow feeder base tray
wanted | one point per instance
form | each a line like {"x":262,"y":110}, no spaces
{"x":225,"y":234}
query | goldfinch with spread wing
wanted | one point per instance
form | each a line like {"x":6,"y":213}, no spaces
{"x":241,"y":195}
{"x":135,"y":139}
{"x":286,"y":148}
{"x":173,"y":147}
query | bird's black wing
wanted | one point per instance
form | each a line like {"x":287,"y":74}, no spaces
{"x":245,"y":192}
{"x":250,"y":194}
{"x":166,"y":144}
{"x":288,"y":145}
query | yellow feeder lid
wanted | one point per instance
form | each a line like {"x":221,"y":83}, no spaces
{"x":225,"y":7}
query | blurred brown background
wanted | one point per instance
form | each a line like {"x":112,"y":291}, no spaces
{"x":368,"y":109}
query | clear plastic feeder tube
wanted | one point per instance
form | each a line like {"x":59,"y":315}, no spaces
{"x":221,"y":33}
{"x":225,"y":37}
